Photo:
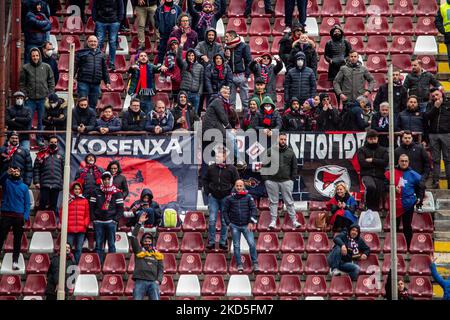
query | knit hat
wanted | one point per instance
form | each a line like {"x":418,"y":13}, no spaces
{"x":311,"y":102}
{"x":259,"y":80}
{"x":300,"y":56}
{"x":19,"y":94}
{"x":371,"y":133}
{"x":12,"y":134}
{"x":323,"y":95}
{"x":53,"y":97}
{"x":206,"y":3}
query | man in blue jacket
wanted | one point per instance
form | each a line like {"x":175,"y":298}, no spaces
{"x":240,"y":214}
{"x":36,"y":26}
{"x":445,"y":284}
{"x":15,"y":209}
{"x":166,"y":17}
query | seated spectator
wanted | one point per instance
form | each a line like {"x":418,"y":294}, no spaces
{"x":53,"y":274}
{"x":108,"y":122}
{"x":445,"y":284}
{"x":304,"y":45}
{"x":260,"y":90}
{"x":90,"y":175}
{"x":146,"y":205}
{"x":134,"y":119}
{"x":294,"y":119}
{"x":300,"y":82}
{"x":183,"y":31}
{"x":250,"y":119}
{"x":380,"y":123}
{"x":183,"y":113}
{"x":160,"y":120}
{"x":328,"y":115}
{"x":83,"y":117}
{"x":402,"y":290}
{"x":352,"y":117}
{"x":13,"y":155}
{"x":262,"y":68}
{"x":206,"y":18}
{"x":419,"y":160}
{"x":36,"y":26}
{"x":411,"y":119}
{"x":170,"y":68}
{"x":55,"y":113}
{"x":217,"y":74}
{"x":348,"y":248}
{"x":269,"y":118}
{"x":119,"y":179}
{"x":240,"y":214}
{"x":400,"y":94}
{"x":342,"y":207}
{"x":49,"y":57}
{"x":18,"y":118}
{"x":216,"y":116}
{"x":78,"y":219}
{"x":367,"y":110}
{"x":309,"y":110}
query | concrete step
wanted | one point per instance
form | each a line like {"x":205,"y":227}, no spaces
{"x":442,"y":204}
{"x":442,"y":258}
{"x":442,"y":215}
{"x":440,"y":193}
{"x":442,"y":225}
{"x":442,"y":235}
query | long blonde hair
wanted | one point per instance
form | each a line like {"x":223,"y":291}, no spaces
{"x":343,"y":184}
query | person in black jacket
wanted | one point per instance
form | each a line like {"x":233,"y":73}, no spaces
{"x":294,"y":119}
{"x":240,"y":213}
{"x":18,"y":117}
{"x":183,"y":113}
{"x":305,"y":46}
{"x":400,"y":94}
{"x":402,"y":290}
{"x":268,"y":118}
{"x":337,"y":49}
{"x":411,"y":119}
{"x":373,"y":159}
{"x":217,"y":74}
{"x":13,"y":155}
{"x":119,"y":179}
{"x":419,"y":160}
{"x":218,"y":182}
{"x":48,"y":175}
{"x":328,"y":119}
{"x":216,"y":117}
{"x":300,"y":82}
{"x":349,"y":247}
{"x":83,"y":117}
{"x":55,"y":113}
{"x":146,"y":205}
{"x":134,"y":119}
{"x":262,"y":68}
{"x":53,"y":274}
{"x":352,"y":117}
{"x":48,"y":56}
{"x":251,"y":117}
{"x":89,"y":175}
{"x":90,"y":70}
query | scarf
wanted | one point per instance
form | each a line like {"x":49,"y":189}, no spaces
{"x":108,"y":191}
{"x":44,"y":153}
{"x":167,"y":8}
{"x":295,"y":38}
{"x":383,"y":122}
{"x":398,"y":83}
{"x":96,"y":173}
{"x":233,"y":43}
{"x":226,"y":104}
{"x":157,"y":255}
{"x":171,"y":58}
{"x":205,"y":20}
{"x":248,"y":118}
{"x":268,"y":115}
{"x":10,"y":150}
{"x":190,"y":65}
{"x":220,"y":69}
{"x":353,"y":246}
{"x":265,"y":72}
{"x":184,"y":112}
{"x":222,"y":165}
{"x":142,"y":83}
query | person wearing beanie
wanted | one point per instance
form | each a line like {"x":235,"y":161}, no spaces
{"x":260,"y":90}
{"x":300,"y":82}
{"x":89,"y":175}
{"x":170,"y":69}
{"x":166,"y":17}
{"x":134,"y":118}
{"x":183,"y":113}
{"x":328,"y":115}
{"x":373,"y":159}
{"x":304,"y":45}
{"x":269,"y":118}
{"x":251,"y":117}
{"x":83,"y":117}
{"x":262,"y":68}
{"x":337,"y":49}
{"x":296,"y":119}
{"x":13,"y":155}
{"x":206,"y":18}
{"x":289,"y":40}
{"x":217,"y":74}
{"x":36,"y":26}
{"x":55,"y":113}
{"x":18,"y":117}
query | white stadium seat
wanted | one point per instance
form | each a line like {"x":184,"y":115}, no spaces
{"x":188,"y":285}
{"x":7,"y":265}
{"x":239,"y":286}
{"x":426,"y":45}
{"x":41,"y":242}
{"x":86,"y":285}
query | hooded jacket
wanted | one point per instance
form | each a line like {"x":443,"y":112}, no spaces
{"x":351,"y":81}
{"x":300,"y":82}
{"x":78,"y":214}
{"x":380,"y":161}
{"x":83,"y":116}
{"x":438,"y":119}
{"x":152,"y":208}
{"x":177,"y":113}
{"x":272,"y":72}
{"x":22,"y":159}
{"x":413,"y":121}
{"x":166,"y":122}
{"x":274,"y":118}
{"x":113,"y":124}
{"x":240,"y":59}
{"x":212,"y":81}
{"x":191,"y":78}
{"x":52,"y":119}
{"x":37,"y":80}
{"x":175,"y":72}
{"x":90,"y":183}
{"x":419,"y":160}
{"x":445,"y":284}
{"x":219,"y":181}
{"x":419,"y":84}
{"x":15,"y":198}
{"x":165,"y":21}
{"x":336,"y":51}
{"x":287,"y":164}
{"x":36,"y":25}
{"x":209,"y":49}
{"x":310,"y":55}
{"x":344,"y":239}
{"x":19,"y":118}
{"x":108,"y":11}
{"x":50,"y":172}
{"x":220,"y":7}
{"x":134,"y":121}
{"x":240,"y":209}
{"x":119,"y":179}
{"x":90,"y":66}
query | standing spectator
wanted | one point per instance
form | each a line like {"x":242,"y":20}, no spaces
{"x":442,"y":24}
{"x":304,"y":45}
{"x":267,"y":8}
{"x":53,"y":274}
{"x":106,"y":207}
{"x":367,"y":111}
{"x":217,"y":74}
{"x":239,"y":62}
{"x":289,"y":6}
{"x":55,"y":113}
{"x":218,"y":182}
{"x":288,"y":41}
{"x":380,"y":123}
{"x":37,"y":82}
{"x":216,"y":117}
{"x":283,"y":158}
{"x":352,"y":117}
{"x":268,"y":119}
{"x":90,"y":70}
{"x":160,"y":120}
{"x":328,"y":118}
{"x":83,"y":117}
{"x":342,"y":207}
{"x":81,"y":4}
{"x":251,"y":117}
{"x":337,"y":49}
{"x":49,"y":57}
{"x":134,"y":119}
{"x":90,"y":175}
{"x":36,"y":26}
{"x":13,"y":155}
{"x":208,"y":48}
{"x":119,"y":179}
{"x":206,"y":18}
{"x":400,"y":94}
{"x":438,"y":122}
{"x":348,"y":248}
{"x":445,"y":284}
{"x":170,"y":69}
{"x":166,"y":17}
{"x":411,"y":119}
{"x":419,"y":160}
{"x":48,"y":175}
{"x":183,"y":113}
{"x":409,"y":193}
{"x":18,"y":117}
{"x":262,"y":68}
{"x":418,"y":83}
{"x":294,"y":119}
{"x":108,"y":122}
{"x":141,"y":84}
{"x":260,"y":90}
{"x":15,"y":209}
{"x":240,"y":213}
{"x":145,"y":11}
{"x":351,"y":80}
{"x":107,"y":15}
{"x":149,"y":267}
{"x":373,"y":159}
{"x":300,"y":82}
{"x":184,"y":33}
{"x":78,"y":219}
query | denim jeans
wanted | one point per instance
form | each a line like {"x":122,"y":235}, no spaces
{"x":214,"y":206}
{"x":102,"y":231}
{"x":194,"y":99}
{"x":248,"y":235}
{"x":239,"y":81}
{"x":39,"y":106}
{"x":113,"y":30}
{"x":89,"y":90}
{"x":78,"y":240}
{"x":143,"y":288}
{"x":335,"y":262}
{"x":146,"y":103}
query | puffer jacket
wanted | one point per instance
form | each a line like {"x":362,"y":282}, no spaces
{"x":36,"y":25}
{"x":351,"y":81}
{"x":310,"y":54}
{"x":240,"y":209}
{"x":52,"y":116}
{"x":240,"y":59}
{"x":22,"y":159}
{"x":78,"y":214}
{"x":113,"y":124}
{"x":90,"y":66}
{"x":37,"y":80}
{"x":22,"y":120}
{"x":50,"y":172}
{"x":205,"y":48}
{"x":191,"y":80}
{"x":83,"y":116}
{"x":165,"y":21}
{"x":272,"y":72}
{"x":287,"y":165}
{"x":212,"y":81}
{"x":108,"y":11}
{"x":191,"y":38}
{"x":274,"y":118}
{"x":438,"y":119}
{"x":216,"y":117}
{"x":220,"y":7}
{"x":300,"y":83}
{"x":419,"y":84}
{"x":134,"y":121}
{"x":413,"y":121}
{"x":336,"y":52}
{"x":380,"y":161}
{"x":119,"y":179}
{"x":15,"y":197}
{"x":166,"y":122}
{"x":219,"y":181}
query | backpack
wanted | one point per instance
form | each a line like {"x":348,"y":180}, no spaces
{"x":369,"y":221}
{"x":170,"y":218}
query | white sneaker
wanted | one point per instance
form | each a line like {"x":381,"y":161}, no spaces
{"x":335,"y":272}
{"x":273,"y":224}
{"x":287,"y":30}
{"x":15,"y":266}
{"x":296,"y":224}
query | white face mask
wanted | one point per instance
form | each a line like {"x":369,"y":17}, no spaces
{"x":300,"y":63}
{"x":268,"y":108}
{"x":19,"y":102}
{"x":49,"y":53}
{"x":54,"y":105}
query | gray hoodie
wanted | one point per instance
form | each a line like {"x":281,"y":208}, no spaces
{"x":205,"y":48}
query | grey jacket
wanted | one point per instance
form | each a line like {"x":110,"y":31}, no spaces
{"x":191,"y":81}
{"x":205,"y":48}
{"x":351,"y":81}
{"x":216,"y":117}
{"x":37,"y":80}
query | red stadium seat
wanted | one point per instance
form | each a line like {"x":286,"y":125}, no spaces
{"x":355,"y":8}
{"x":167,"y":242}
{"x":357,"y":43}
{"x":131,"y":264}
{"x":215,"y":263}
{"x":287,"y":223}
{"x":162,"y":85}
{"x":377,"y":44}
{"x":376,"y":63}
{"x":264,"y":203}
{"x":167,"y":287}
{"x":292,"y":242}
{"x":275,"y":48}
{"x":367,"y":285}
{"x":120,"y":63}
{"x":401,"y":44}
{"x":318,"y":242}
{"x":239,"y":25}
{"x":313,"y":8}
{"x":341,"y":286}
{"x":429,"y":63}
{"x":259,"y":45}
{"x":291,"y":264}
{"x":379,"y":7}
{"x":9,"y":243}
{"x":422,"y":222}
{"x":264,"y":221}
{"x":63,"y":63}
{"x":236,"y":8}
{"x":246,"y":263}
{"x":311,"y":227}
{"x":10,"y":285}
{"x":117,"y":83}
{"x":355,"y":26}
{"x":66,"y":41}
{"x":402,"y":26}
{"x":426,"y":8}
{"x":377,"y":26}
{"x":35,"y":285}
{"x":112,"y":285}
{"x":63,"y":83}
{"x":327,"y":24}
{"x":401,"y":61}
{"x":210,"y":298}
{"x":89,"y":28}
{"x":387,"y":224}
{"x":135,"y":44}
{"x":260,"y":27}
{"x":323,"y":65}
{"x":213,"y":285}
{"x":7,"y":298}
{"x":192,"y":242}
{"x":114,"y":263}
{"x":164,"y":97}
{"x":401,"y":243}
{"x":401,"y":264}
{"x":370,"y":265}
{"x":44,"y":221}
{"x":170,"y":263}
{"x":331,"y":8}
{"x":426,"y":26}
{"x":194,"y":221}
{"x":55,"y":25}
{"x":258,"y":9}
{"x":419,"y":265}
{"x":38,"y":263}
{"x":421,"y":243}
{"x":316,"y":264}
{"x":317,"y":205}
{"x":290,"y":286}
{"x":110,"y":98}
{"x":420,"y":287}
{"x":403,"y":8}
{"x":264,"y":285}
{"x":190,"y":263}
{"x":267,"y":242}
{"x":268,"y":263}
{"x":315,"y":285}
{"x":72,"y":25}
{"x":380,"y":79}
{"x":323,"y":42}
